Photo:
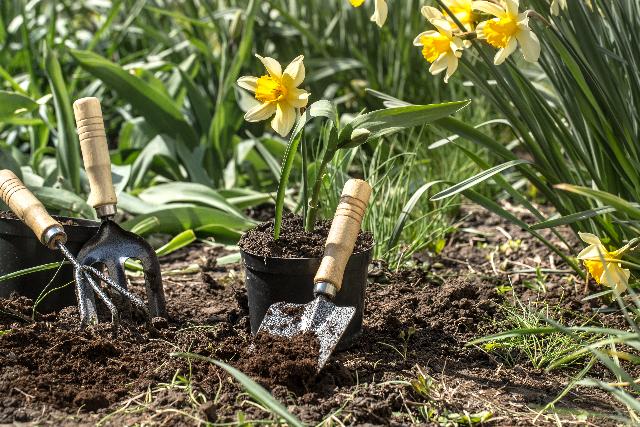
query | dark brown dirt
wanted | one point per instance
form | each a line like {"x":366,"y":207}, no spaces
{"x":291,"y":362}
{"x":411,"y":364}
{"x":294,"y":242}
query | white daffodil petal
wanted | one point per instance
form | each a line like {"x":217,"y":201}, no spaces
{"x":284,"y":119}
{"x":589,"y":238}
{"x":260,"y":112}
{"x":442,"y":26}
{"x":504,"y":53}
{"x":273,"y":67}
{"x":430,"y":33}
{"x":295,"y":70}
{"x":615,"y":277}
{"x":298,"y":98}
{"x":512,"y":7}
{"x":488,"y":7}
{"x":623,"y":249}
{"x":431,"y":12}
{"x":439,"y":65}
{"x":480,"y":30}
{"x":248,"y":82}
{"x":593,"y":252}
{"x":530,"y":45}
{"x":380,"y":14}
{"x":452,"y":66}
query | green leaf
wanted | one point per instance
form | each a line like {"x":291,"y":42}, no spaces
{"x":180,"y":241}
{"x":254,"y":389}
{"x":158,"y":109}
{"x":187,"y":192}
{"x":477,"y":179}
{"x":612,"y":200}
{"x":67,"y":144}
{"x":14,"y":104}
{"x":395,"y":119}
{"x":63,"y":201}
{"x":208,"y":221}
{"x":30,"y":270}
{"x":573,"y":218}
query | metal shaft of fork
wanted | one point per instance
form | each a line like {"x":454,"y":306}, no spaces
{"x":88,"y":270}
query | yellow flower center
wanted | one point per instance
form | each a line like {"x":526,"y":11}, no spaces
{"x":434,"y":46}
{"x":499,"y":31}
{"x":595,"y":268}
{"x":269,"y":89}
{"x":356,"y":3}
{"x":464,"y":15}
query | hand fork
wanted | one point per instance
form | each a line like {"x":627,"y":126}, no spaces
{"x":112,"y":246}
{"x":51,"y":234}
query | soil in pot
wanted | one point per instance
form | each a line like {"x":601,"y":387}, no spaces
{"x":294,"y":241}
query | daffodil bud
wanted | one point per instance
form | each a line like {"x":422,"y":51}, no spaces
{"x":360,"y":135}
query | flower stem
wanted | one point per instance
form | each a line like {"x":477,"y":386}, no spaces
{"x":312,"y":212}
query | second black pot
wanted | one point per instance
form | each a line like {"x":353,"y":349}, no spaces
{"x":271,"y":280}
{"x":20,"y":249}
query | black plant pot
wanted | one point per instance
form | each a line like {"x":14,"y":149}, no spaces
{"x":271,"y":280}
{"x":21,"y":249}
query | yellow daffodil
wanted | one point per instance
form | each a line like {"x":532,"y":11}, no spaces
{"x":507,"y":30}
{"x":463,"y":10}
{"x":602,"y":265}
{"x":439,"y":47}
{"x":380,"y":13}
{"x":556,"y":5}
{"x":278,"y":94}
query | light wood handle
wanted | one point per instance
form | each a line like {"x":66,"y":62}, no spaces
{"x":95,"y":151}
{"x":28,"y":208}
{"x":344,"y":232}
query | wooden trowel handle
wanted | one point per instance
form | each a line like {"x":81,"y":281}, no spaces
{"x":95,"y":154}
{"x":28,"y":208}
{"x":343,"y":233}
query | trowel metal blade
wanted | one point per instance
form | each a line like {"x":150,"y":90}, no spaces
{"x":320,"y":317}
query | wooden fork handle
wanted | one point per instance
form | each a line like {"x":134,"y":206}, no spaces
{"x":30,"y":210}
{"x":343,"y":233}
{"x":95,"y":155}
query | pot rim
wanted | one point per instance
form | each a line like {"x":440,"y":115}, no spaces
{"x":81,"y":230}
{"x":243,"y":251}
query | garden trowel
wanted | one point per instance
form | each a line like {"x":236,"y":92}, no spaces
{"x":112,"y":246}
{"x":321,"y":318}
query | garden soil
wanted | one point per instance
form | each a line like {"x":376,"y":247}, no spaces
{"x":411,"y":364}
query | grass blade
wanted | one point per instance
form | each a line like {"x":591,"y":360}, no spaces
{"x":254,"y":389}
{"x":406,"y":212}
{"x":476,"y":179}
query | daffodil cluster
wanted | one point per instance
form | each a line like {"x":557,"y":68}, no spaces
{"x":499,"y":23}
